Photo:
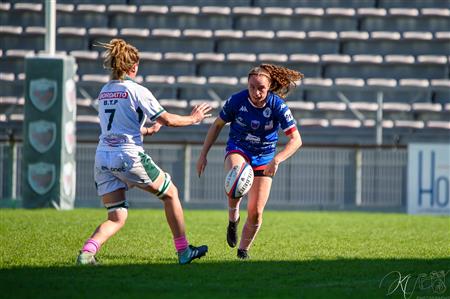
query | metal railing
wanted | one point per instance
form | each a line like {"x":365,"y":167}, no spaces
{"x":314,"y":178}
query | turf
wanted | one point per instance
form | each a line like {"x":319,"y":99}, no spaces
{"x":296,"y":255}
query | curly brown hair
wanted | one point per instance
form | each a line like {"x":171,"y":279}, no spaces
{"x":282,"y":79}
{"x":120,"y":57}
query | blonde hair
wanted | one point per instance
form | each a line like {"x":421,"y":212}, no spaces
{"x":120,"y":57}
{"x":282,"y":79}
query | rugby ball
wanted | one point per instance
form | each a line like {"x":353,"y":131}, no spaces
{"x":239,"y":180}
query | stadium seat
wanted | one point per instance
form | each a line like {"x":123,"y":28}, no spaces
{"x":102,"y":2}
{"x":399,"y":47}
{"x":315,"y":3}
{"x":301,"y":109}
{"x":162,"y":87}
{"x":428,"y":111}
{"x":88,"y":15}
{"x":24,"y":14}
{"x":180,"y":64}
{"x":406,"y":20}
{"x":9,"y":105}
{"x":413,"y":3}
{"x":236,"y":65}
{"x":355,"y":94}
{"x":14,"y":61}
{"x":168,"y":40}
{"x":306,"y":64}
{"x":298,"y":19}
{"x":441,"y":91}
{"x":11,"y":86}
{"x":100,"y":35}
{"x":194,"y":2}
{"x":395,"y":66}
{"x":256,"y":41}
{"x":92,"y":84}
{"x":71,"y":38}
{"x":221,"y":88}
{"x":175,"y":17}
{"x":88,"y":62}
{"x":32,"y":38}
{"x":433,"y":124}
{"x":5,"y":11}
{"x":385,"y":43}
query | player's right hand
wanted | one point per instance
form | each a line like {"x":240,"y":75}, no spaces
{"x":200,"y":112}
{"x":201,"y":165}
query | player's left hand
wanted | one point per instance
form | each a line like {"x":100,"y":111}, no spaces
{"x":271,"y":168}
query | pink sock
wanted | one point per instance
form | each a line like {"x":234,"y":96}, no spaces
{"x":181,"y":243}
{"x":233,"y":214}
{"x":249,"y":232}
{"x":91,"y":246}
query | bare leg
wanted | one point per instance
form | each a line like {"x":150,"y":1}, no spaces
{"x":116,"y":220}
{"x":257,"y":199}
{"x":174,"y":212}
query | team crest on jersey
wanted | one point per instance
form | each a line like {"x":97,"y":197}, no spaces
{"x":43,"y":93}
{"x":42,"y":135}
{"x":41,"y":177}
{"x":267,"y":112}
{"x":255,"y":124}
{"x":243,"y":109}
{"x":68,"y":178}
{"x":69,"y":136}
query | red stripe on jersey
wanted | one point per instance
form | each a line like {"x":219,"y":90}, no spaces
{"x":290,"y":131}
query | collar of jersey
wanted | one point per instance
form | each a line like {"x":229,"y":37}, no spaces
{"x":128,"y":78}
{"x":265,"y":104}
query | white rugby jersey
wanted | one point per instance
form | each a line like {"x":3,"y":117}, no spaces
{"x":123,"y":109}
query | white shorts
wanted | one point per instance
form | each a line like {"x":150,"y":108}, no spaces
{"x":123,"y":169}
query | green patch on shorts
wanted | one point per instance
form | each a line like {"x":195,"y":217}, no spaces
{"x":150,"y":167}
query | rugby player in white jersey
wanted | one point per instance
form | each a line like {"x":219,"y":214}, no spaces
{"x":120,"y":160}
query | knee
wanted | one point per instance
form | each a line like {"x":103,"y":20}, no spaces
{"x":171,"y":194}
{"x":119,"y":216}
{"x":255,"y":217}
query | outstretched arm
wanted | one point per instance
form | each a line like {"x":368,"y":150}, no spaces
{"x":211,"y":137}
{"x":294,"y":143}
{"x":146,"y":131}
{"x":174,"y":120}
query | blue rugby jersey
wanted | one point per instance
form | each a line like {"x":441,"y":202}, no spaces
{"x":256,"y":129}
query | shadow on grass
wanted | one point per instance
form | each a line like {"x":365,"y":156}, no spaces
{"x":346,"y":278}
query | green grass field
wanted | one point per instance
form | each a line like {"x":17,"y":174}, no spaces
{"x":296,"y":255}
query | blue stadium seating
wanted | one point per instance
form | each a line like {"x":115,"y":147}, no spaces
{"x":86,"y":15}
{"x":414,"y":3}
{"x":23,"y":14}
{"x":315,"y":3}
{"x":385,"y":47}
{"x":405,"y":23}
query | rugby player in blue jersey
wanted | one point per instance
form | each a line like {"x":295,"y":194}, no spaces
{"x":255,"y":115}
